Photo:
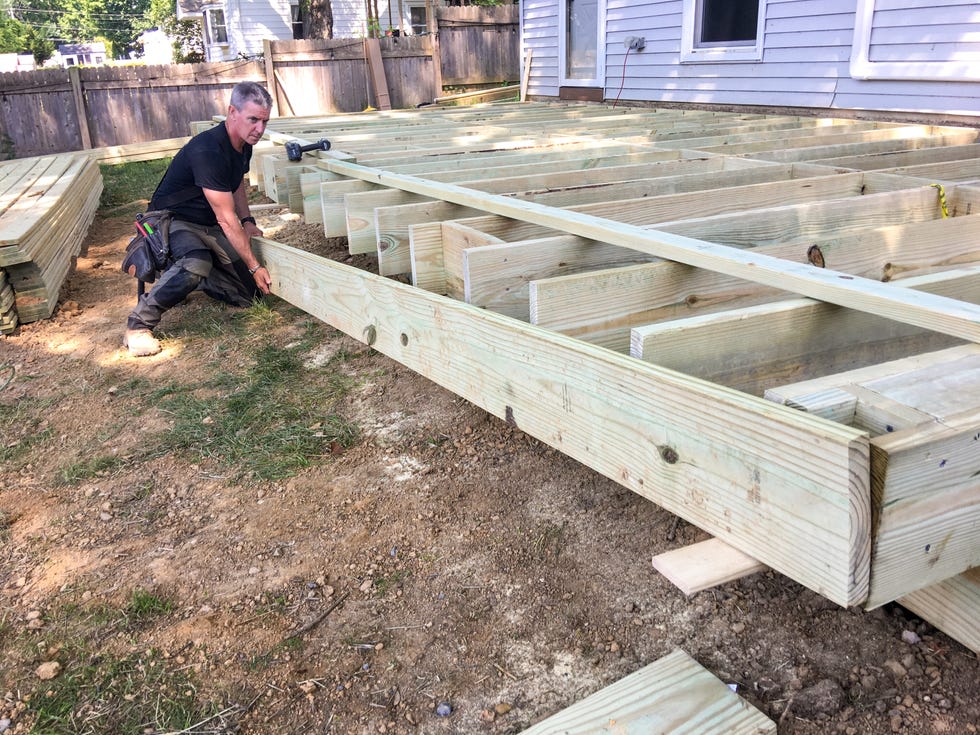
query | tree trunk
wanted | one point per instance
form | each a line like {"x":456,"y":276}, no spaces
{"x":320,"y":21}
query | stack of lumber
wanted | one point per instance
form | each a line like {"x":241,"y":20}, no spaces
{"x":46,"y":207}
{"x":652,"y":291}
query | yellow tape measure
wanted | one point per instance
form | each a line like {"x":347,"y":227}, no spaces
{"x":942,"y":199}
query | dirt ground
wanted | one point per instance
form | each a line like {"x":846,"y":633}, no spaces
{"x":444,"y":574}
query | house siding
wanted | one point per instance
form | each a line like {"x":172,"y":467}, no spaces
{"x":806,"y":61}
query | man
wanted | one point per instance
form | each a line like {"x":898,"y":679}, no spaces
{"x":210,"y":233}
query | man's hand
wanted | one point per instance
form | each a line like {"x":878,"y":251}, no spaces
{"x":262,"y":278}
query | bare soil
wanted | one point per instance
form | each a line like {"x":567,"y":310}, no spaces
{"x":444,"y":559}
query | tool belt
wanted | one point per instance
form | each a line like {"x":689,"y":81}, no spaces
{"x":149,"y":252}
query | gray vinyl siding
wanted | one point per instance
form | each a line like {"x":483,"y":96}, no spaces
{"x":807,"y":53}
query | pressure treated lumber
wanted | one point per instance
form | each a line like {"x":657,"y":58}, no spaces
{"x":753,"y":348}
{"x":671,"y":696}
{"x":906,"y":305}
{"x":953,"y":606}
{"x":704,"y":565}
{"x":786,"y":488}
{"x":924,"y":417}
{"x":602,"y":306}
{"x":46,"y":206}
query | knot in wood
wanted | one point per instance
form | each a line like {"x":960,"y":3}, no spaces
{"x":669,"y":454}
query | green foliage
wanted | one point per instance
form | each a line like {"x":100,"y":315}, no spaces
{"x":17,"y":37}
{"x":115,"y":22}
{"x":144,"y":606}
{"x":188,"y":40}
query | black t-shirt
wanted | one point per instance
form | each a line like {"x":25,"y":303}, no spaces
{"x":208,"y":161}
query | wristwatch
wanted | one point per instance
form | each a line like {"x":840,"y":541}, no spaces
{"x":252,"y":270}
{"x":243,"y":220}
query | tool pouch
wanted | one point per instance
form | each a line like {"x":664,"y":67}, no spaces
{"x":149,"y":252}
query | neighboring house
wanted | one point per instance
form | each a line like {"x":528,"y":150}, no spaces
{"x":80,"y":54}
{"x":158,"y":48}
{"x":237,"y":28}
{"x":17,"y":62}
{"x":912,"y":55}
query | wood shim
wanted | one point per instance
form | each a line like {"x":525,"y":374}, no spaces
{"x":674,"y":695}
{"x":704,"y":565}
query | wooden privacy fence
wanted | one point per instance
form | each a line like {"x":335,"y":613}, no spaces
{"x":58,"y":110}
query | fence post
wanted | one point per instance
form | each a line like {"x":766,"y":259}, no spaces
{"x":270,"y":76}
{"x":433,"y":23}
{"x":75,"y":79}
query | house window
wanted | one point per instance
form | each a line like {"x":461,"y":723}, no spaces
{"x":214,"y":26}
{"x":418,"y":19}
{"x":723,"y":30}
{"x":581,"y":45}
{"x":297,"y":17}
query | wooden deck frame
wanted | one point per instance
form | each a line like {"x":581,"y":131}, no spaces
{"x":786,"y":488}
{"x":523,"y":375}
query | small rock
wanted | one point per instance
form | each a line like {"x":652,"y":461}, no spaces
{"x":307,"y":687}
{"x":910,"y":637}
{"x":444,"y":709}
{"x":488,"y":715}
{"x":33,"y":614}
{"x":738,"y":628}
{"x":502,"y":709}
{"x":48,"y":670}
{"x":895,"y":669}
{"x":908,"y":661}
{"x":4,"y":724}
{"x":366,"y":585}
{"x":823,"y":698}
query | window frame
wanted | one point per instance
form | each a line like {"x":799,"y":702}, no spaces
{"x":738,"y":51}
{"x":600,"y":78}
{"x":210,"y":25}
{"x":861,"y":66}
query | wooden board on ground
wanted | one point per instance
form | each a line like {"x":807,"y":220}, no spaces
{"x":704,"y":565}
{"x":674,"y":695}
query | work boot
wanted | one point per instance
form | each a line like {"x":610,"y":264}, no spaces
{"x":141,"y":342}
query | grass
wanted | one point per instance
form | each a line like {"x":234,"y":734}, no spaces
{"x":100,"y":692}
{"x":126,"y":182}
{"x":129,"y":694}
{"x":264,"y":419}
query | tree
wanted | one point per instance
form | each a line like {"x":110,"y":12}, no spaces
{"x":115,"y":22}
{"x":19,"y":38}
{"x":319,"y":18}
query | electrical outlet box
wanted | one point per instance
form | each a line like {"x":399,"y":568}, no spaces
{"x":635,"y":43}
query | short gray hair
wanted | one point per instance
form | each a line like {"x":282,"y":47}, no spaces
{"x":245,"y":92}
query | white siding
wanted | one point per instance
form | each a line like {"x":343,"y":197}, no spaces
{"x":806,"y":61}
{"x":249,"y":22}
{"x":539,"y":28}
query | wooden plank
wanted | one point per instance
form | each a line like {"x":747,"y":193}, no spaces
{"x":603,"y":307}
{"x":333,"y":212}
{"x":753,"y":348}
{"x":784,"y":487}
{"x":704,"y":565}
{"x":672,"y":696}
{"x":953,"y":606}
{"x":498,"y":277}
